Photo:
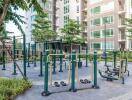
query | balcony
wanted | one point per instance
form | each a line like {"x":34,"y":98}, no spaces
{"x":84,"y":9}
{"x":121,"y":25}
{"x":121,"y":2}
{"x":122,"y":12}
{"x":85,"y":20}
{"x":122,"y":36}
{"x":84,"y":29}
{"x":121,"y":40}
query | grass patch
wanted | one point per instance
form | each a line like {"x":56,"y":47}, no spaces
{"x":10,"y":88}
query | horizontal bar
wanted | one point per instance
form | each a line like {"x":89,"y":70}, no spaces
{"x":9,"y":42}
{"x":18,"y":55}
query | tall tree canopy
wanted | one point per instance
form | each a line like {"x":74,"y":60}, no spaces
{"x":8,"y":8}
{"x":128,"y":24}
{"x":72,"y":31}
{"x":42,"y":28}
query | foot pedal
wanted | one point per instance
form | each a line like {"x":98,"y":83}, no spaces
{"x":82,"y":81}
{"x":87,"y":81}
{"x":56,"y":84}
{"x":63,"y":83}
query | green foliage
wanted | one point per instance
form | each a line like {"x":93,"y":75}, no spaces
{"x":9,"y":88}
{"x":42,"y":28}
{"x":72,"y":32}
{"x":128,"y":24}
{"x":13,"y":6}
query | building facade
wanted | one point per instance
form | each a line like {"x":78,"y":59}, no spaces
{"x":128,"y":15}
{"x":105,"y":18}
{"x":30,"y":17}
{"x":99,"y":18}
{"x":59,"y":11}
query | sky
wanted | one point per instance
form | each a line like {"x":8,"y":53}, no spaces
{"x":12,"y":28}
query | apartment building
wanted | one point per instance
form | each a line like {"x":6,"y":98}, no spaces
{"x":84,"y":16}
{"x":71,"y":9}
{"x":128,"y":15}
{"x":60,"y":11}
{"x":30,"y":17}
{"x":106,"y":18}
{"x":99,"y":18}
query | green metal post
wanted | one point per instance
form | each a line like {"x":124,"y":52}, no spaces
{"x":95,"y":70}
{"x":79,"y":63}
{"x":46,"y":92}
{"x":41,"y":64}
{"x":44,"y":47}
{"x":14,"y":55}
{"x":114,"y":58}
{"x":73,"y":72}
{"x":3,"y":56}
{"x":32,"y":54}
{"x":86,"y":56}
{"x":54,"y":64}
{"x":61,"y":52}
{"x":35,"y":54}
{"x":79,"y":54}
{"x":24,"y":55}
{"x":28,"y":55}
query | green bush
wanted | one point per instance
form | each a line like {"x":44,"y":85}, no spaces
{"x":109,"y":56}
{"x":9,"y":88}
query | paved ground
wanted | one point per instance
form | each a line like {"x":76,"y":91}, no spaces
{"x":108,"y":90}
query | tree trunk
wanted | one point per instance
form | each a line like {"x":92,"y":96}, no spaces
{"x":54,"y":15}
{"x":71,"y":47}
{"x":4,"y":13}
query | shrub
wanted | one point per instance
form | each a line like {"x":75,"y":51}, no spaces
{"x":9,"y":88}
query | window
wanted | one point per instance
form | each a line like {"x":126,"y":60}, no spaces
{"x":95,"y":10}
{"x":107,"y":7}
{"x":49,"y":17}
{"x":66,"y":1}
{"x":95,"y":21}
{"x":131,"y":3}
{"x":78,"y":9}
{"x":95,"y":34}
{"x":130,"y":44}
{"x":107,"y":32}
{"x":66,"y":19}
{"x":94,"y":1}
{"x":77,"y":19}
{"x":96,"y":46}
{"x":47,"y":5}
{"x":77,"y":1}
{"x":109,"y":45}
{"x":66,"y":9}
{"x":108,"y":19}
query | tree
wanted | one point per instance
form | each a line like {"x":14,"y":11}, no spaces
{"x":42,"y":28}
{"x":72,"y":30}
{"x":8,"y":8}
{"x":129,"y":26}
{"x":81,"y":39}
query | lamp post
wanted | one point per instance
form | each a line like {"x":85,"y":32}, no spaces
{"x":105,"y":54}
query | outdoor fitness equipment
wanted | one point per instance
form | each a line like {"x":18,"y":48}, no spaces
{"x":13,"y":57}
{"x":23,"y":53}
{"x":116,"y":72}
{"x":73,"y":72}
